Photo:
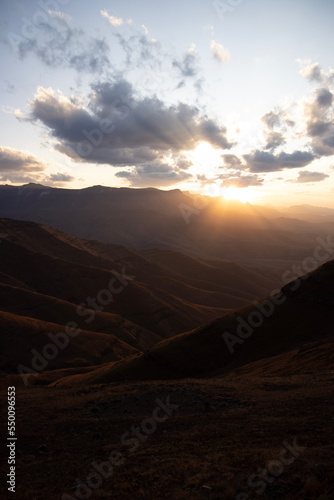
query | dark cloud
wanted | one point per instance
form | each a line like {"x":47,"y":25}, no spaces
{"x":324,"y":97}
{"x":319,"y":112}
{"x":12,"y":160}
{"x":232,"y":161}
{"x":154,"y":175}
{"x":19,"y":167}
{"x":60,"y":177}
{"x":306,"y":176}
{"x":274,"y":140}
{"x":317,"y":128}
{"x":106,"y":155}
{"x":116,"y":128}
{"x":20,"y":178}
{"x":182,"y":162}
{"x":263,"y":161}
{"x":109,"y":99}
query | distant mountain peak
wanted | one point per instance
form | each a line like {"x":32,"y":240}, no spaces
{"x":32,"y":185}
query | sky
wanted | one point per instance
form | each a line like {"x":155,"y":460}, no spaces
{"x":222,"y":97}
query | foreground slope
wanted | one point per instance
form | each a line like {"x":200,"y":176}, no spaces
{"x":218,"y":436}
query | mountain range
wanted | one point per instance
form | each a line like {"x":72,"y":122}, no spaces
{"x":195,"y":225}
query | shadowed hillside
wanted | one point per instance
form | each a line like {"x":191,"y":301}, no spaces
{"x":50,"y":279}
{"x":298,"y":326}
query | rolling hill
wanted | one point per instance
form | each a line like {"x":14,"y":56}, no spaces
{"x":49,"y":279}
{"x":257,"y":339}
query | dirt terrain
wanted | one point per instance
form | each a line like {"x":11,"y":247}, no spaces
{"x":218,"y":434}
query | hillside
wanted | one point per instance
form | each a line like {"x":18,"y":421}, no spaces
{"x":299,"y":326}
{"x":50,"y":279}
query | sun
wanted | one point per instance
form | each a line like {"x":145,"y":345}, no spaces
{"x":205,"y":159}
{"x":245,"y":195}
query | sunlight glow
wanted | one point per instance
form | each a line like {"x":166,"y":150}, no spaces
{"x":245,"y":195}
{"x":205,"y":159}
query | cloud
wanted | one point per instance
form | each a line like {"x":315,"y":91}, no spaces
{"x":307,"y":176}
{"x":232,"y":161}
{"x":243,"y":181}
{"x":188,"y":68}
{"x":114,"y":21}
{"x":20,"y":178}
{"x":219,"y":52}
{"x":154,"y":175}
{"x":272,"y":119}
{"x":57,"y":44}
{"x":60,"y":177}
{"x":12,"y":160}
{"x":263,"y":161}
{"x":312,"y":71}
{"x":141,"y":50}
{"x":319,"y":112}
{"x":107,"y":156}
{"x":274,"y":140}
{"x":276,"y":122}
{"x":277,"y":119}
{"x":187,"y":65}
{"x":19,"y":166}
{"x":182,"y":162}
{"x":324,"y":97}
{"x":118,"y":128}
